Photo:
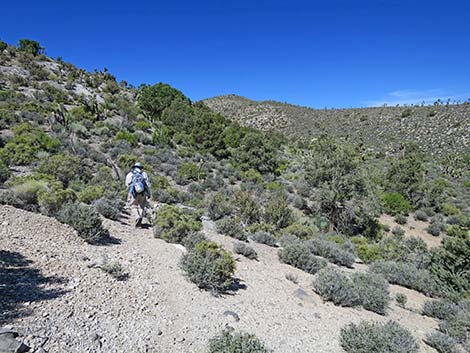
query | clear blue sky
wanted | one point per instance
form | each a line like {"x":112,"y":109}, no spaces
{"x":329,"y":53}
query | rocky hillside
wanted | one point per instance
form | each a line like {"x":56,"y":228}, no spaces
{"x":252,"y":243}
{"x":441,"y":129}
{"x":66,"y":302}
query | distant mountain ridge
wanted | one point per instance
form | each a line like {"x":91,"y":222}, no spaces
{"x":440,"y":129}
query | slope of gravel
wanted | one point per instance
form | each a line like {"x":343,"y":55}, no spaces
{"x":73,"y":306}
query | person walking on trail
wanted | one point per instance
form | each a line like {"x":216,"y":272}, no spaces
{"x":138,"y":183}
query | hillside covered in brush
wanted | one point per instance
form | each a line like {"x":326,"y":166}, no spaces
{"x":441,"y":129}
{"x":247,"y":218}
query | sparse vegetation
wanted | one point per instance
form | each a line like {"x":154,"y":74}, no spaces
{"x":236,"y":342}
{"x":209,"y":267}
{"x":85,"y":220}
{"x":372,"y":337}
{"x":245,"y":250}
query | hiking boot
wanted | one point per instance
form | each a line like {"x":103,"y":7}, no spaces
{"x":138,"y":222}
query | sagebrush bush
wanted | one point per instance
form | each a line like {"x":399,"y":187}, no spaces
{"x":458,"y":325}
{"x":109,"y":207}
{"x":439,"y":309}
{"x":4,"y":172}
{"x":192,"y":239}
{"x":331,"y":251}
{"x":435,"y":229}
{"x":115,"y":270}
{"x":232,"y":227}
{"x":398,"y":231}
{"x":28,"y":192}
{"x":374,"y":337}
{"x":298,"y":255}
{"x":85,"y":220}
{"x":335,"y":286}
{"x":372,"y":290}
{"x":406,"y":275}
{"x":400,"y":219}
{"x":173,"y":224}
{"x":401,"y":299}
{"x":236,"y":342}
{"x":441,"y":342}
{"x":421,"y":215}
{"x":209,"y":267}
{"x":264,"y":238}
{"x":220,"y":205}
{"x":278,"y":213}
{"x":245,"y":250}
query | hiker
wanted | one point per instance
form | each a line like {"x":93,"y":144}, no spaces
{"x":138,"y":183}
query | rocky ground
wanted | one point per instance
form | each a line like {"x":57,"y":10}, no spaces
{"x":59,"y":300}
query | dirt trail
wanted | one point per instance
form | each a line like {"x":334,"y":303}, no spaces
{"x":157,"y":309}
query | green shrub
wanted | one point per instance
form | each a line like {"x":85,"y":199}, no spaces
{"x":335,"y":286}
{"x":233,"y":342}
{"x":450,"y":210}
{"x":232,"y":227}
{"x":50,"y":201}
{"x":189,"y":171}
{"x":30,"y":47}
{"x":450,"y":264}
{"x":401,"y":299}
{"x":248,"y":207}
{"x":366,"y":252}
{"x":64,"y":168}
{"x":85,"y":220}
{"x":278,"y":213}
{"x":23,"y":147}
{"x":298,"y":255}
{"x":457,"y":232}
{"x":126,"y":136}
{"x":394,"y":203}
{"x":153,"y":100}
{"x":372,"y":290}
{"x":373,"y":337}
{"x":91,"y":193}
{"x":29,"y":190}
{"x":331,"y":251}
{"x":264,"y":238}
{"x":3,"y":45}
{"x":301,"y":231}
{"x":251,"y":176}
{"x":4,"y":172}
{"x":245,"y":250}
{"x":209,"y":267}
{"x":406,"y":275}
{"x":441,"y":342}
{"x":173,"y":224}
{"x":220,"y":205}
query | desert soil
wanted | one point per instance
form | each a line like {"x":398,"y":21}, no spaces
{"x":59,"y":300}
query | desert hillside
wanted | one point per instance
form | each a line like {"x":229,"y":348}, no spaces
{"x":252,"y":241}
{"x":441,"y":129}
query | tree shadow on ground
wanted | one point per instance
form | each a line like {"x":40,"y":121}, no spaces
{"x":21,"y":283}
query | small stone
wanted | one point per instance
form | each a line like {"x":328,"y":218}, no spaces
{"x":232,"y":314}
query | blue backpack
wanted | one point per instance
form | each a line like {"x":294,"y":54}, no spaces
{"x":138,"y":184}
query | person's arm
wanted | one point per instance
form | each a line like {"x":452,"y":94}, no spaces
{"x":128,"y":179}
